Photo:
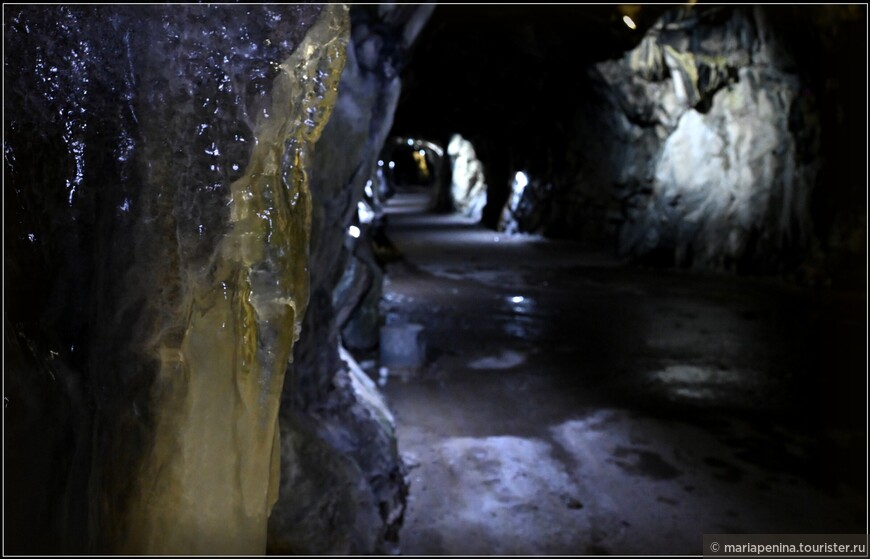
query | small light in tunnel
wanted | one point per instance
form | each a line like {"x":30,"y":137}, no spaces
{"x":380,"y":162}
{"x":422,"y":152}
{"x":392,"y":164}
{"x":365,"y":213}
{"x":369,"y":192}
{"x":353,"y":231}
{"x":521,"y":179}
{"x":629,"y":22}
{"x":410,"y":142}
{"x":517,"y":299}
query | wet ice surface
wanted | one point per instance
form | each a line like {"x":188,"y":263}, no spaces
{"x":571,"y":404}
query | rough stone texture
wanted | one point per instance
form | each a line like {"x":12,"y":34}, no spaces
{"x":125,"y":129}
{"x":357,"y":504}
{"x":468,"y":183}
{"x":527,"y":207}
{"x":359,"y":324}
{"x":705,"y":146}
{"x":724,"y":182}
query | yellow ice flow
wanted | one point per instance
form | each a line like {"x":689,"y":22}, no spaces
{"x":211,"y":479}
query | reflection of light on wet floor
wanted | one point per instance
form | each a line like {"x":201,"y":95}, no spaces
{"x":692,"y":374}
{"x":514,"y":501}
{"x":524,"y":329}
{"x":702,"y":383}
{"x":522,"y":323}
{"x":627,"y":483}
{"x":410,"y":202}
{"x":696,"y":393}
{"x":506,"y":359}
{"x":520,"y":304}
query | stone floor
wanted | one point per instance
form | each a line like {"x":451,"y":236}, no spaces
{"x":571,"y":404}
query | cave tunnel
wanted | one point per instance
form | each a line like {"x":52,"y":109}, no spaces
{"x":432,"y":279}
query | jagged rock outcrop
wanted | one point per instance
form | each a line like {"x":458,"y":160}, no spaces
{"x":356,"y":506}
{"x":468,"y":183}
{"x":160,"y":179}
{"x":704,"y":146}
{"x":720,"y":182}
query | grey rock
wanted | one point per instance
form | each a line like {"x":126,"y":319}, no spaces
{"x":403,"y":346}
{"x":360,"y":456}
{"x":692,"y":154}
{"x":468,"y":183}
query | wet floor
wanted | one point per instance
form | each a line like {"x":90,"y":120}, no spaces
{"x":571,"y":404}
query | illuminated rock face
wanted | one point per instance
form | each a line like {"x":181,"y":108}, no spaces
{"x":713,"y":174}
{"x":690,"y":153}
{"x":157,"y":223}
{"x":468,"y":184}
{"x":720,"y":141}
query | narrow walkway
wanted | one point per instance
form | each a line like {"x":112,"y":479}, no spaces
{"x":573,"y":405}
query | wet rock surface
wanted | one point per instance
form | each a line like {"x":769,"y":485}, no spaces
{"x":157,"y":234}
{"x":572,"y":404}
{"x":131,"y":179}
{"x":356,"y":501}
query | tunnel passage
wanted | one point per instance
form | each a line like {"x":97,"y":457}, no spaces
{"x":572,"y":391}
{"x":413,"y":162}
{"x":568,"y":403}
{"x":580,"y":392}
{"x":706,"y":137}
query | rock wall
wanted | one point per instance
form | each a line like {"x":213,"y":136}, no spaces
{"x":344,"y":488}
{"x":717,"y":177}
{"x":160,"y":183}
{"x":468,"y":183}
{"x":707,"y":144}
